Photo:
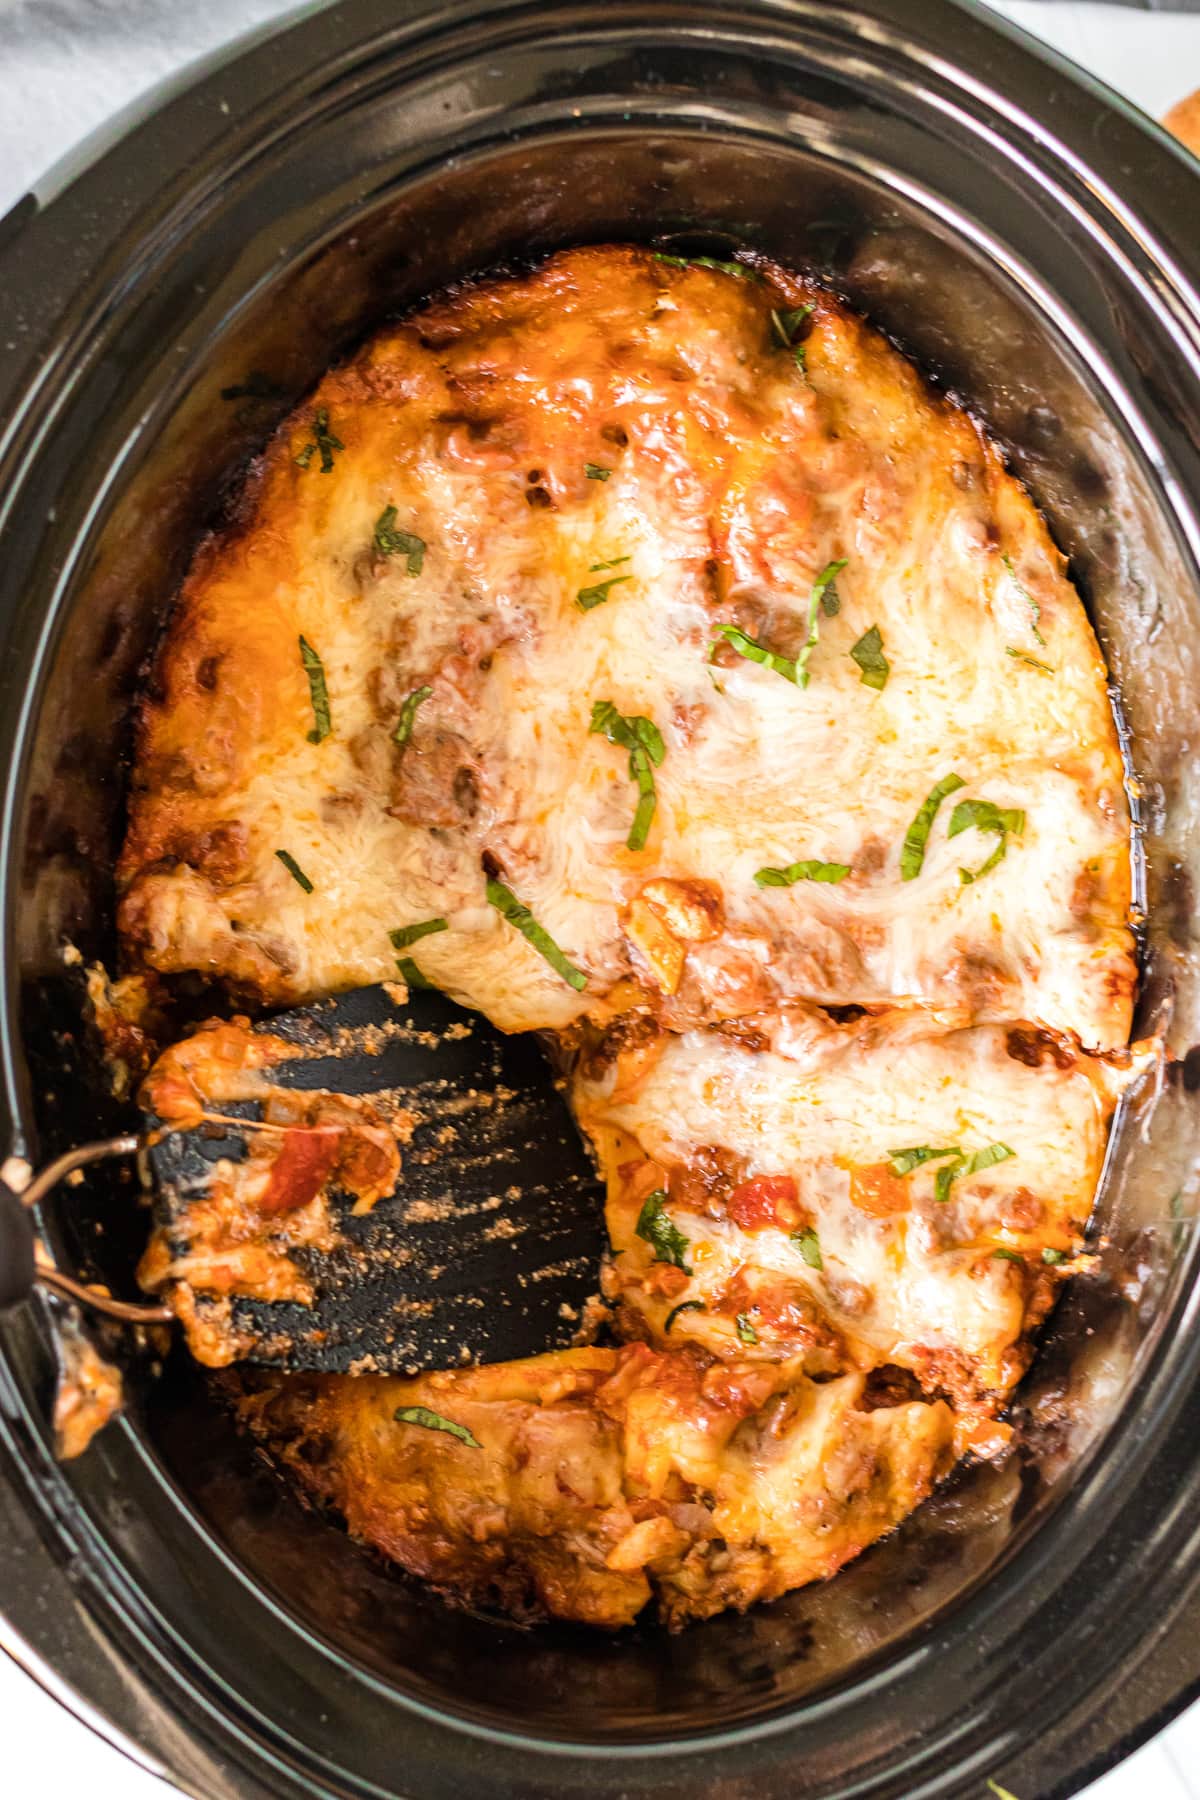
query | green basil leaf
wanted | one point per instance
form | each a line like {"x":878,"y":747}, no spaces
{"x":411,"y":975}
{"x":987,"y":1158}
{"x":903,"y":1162}
{"x":318,"y":693}
{"x":323,"y":440}
{"x":868,"y":654}
{"x":1002,"y":1255}
{"x":522,"y":920}
{"x":643,"y":814}
{"x":944,"y":1180}
{"x":984,"y":815}
{"x":404,"y":935}
{"x":745,"y":1329}
{"x":294,"y":870}
{"x":597,"y":594}
{"x":433,"y":1421}
{"x":912,"y":856}
{"x":819,"y":588}
{"x":614,"y":562}
{"x":408,"y":714}
{"x":596,"y":472}
{"x":809,"y":1245}
{"x":390,"y":542}
{"x":643,"y":740}
{"x":708,"y":262}
{"x":656,"y":1229}
{"x":1052,"y":1256}
{"x":754,"y":652}
{"x":787,"y":322}
{"x":966,"y":876}
{"x":802,"y":871}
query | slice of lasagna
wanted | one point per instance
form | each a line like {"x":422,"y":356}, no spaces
{"x":879,"y":1192}
{"x":585,"y":1483}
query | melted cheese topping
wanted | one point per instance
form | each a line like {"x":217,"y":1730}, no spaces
{"x":893,"y":1275}
{"x":732,"y":479}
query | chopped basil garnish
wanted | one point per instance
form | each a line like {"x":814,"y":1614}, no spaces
{"x":1002,"y":1255}
{"x":1052,"y":1256}
{"x":819,"y":587}
{"x":390,"y":542}
{"x":979,"y":1160}
{"x":745,"y":1329}
{"x":614,"y":562}
{"x":596,"y":595}
{"x":432,"y":1421}
{"x":983,"y":815}
{"x":408,"y":714}
{"x":1034,"y":609}
{"x":665,"y":1239}
{"x":903,"y":1162}
{"x":522,"y":920}
{"x":785,"y":326}
{"x":967,"y":876}
{"x":912,"y":856}
{"x":318,"y":693}
{"x":643,"y":740}
{"x":987,"y":1158}
{"x":802,"y":871}
{"x":684,"y":1306}
{"x":945,"y":1176}
{"x":868,"y":654}
{"x":1024,"y":656}
{"x":708,"y":262}
{"x":596,"y":471}
{"x":294,"y":870}
{"x":410,"y":974}
{"x":809,"y":1246}
{"x":753,"y":651}
{"x":404,"y":935}
{"x":323,"y":440}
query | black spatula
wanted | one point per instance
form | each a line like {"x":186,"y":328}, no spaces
{"x":490,"y":1246}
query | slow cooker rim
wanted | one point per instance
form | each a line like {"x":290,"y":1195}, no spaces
{"x":10,"y":1041}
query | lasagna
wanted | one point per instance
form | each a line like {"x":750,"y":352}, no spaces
{"x":638,"y":651}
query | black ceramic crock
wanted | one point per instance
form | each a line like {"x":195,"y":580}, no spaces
{"x":1034,"y":244}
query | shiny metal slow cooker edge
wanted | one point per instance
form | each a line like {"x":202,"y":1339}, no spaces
{"x":1082,"y":1636}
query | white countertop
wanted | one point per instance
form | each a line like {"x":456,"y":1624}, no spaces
{"x":65,"y":67}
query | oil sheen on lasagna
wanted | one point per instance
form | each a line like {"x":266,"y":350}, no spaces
{"x":637,"y":650}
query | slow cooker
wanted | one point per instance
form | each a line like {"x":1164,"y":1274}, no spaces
{"x":1032,"y":242}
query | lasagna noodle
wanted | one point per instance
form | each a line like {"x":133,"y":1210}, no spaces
{"x":617,"y":424}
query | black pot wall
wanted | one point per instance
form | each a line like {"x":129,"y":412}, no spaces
{"x":1024,"y":237}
